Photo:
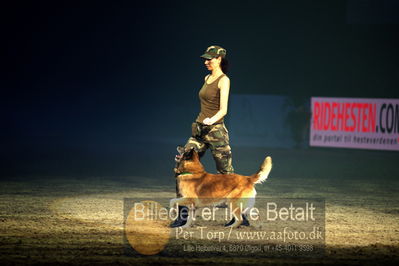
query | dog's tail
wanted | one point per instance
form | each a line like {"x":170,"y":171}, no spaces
{"x":264,"y":171}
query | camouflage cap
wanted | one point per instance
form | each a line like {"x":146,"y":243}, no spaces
{"x":214,"y":51}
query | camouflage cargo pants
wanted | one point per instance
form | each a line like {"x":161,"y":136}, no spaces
{"x":215,"y":137}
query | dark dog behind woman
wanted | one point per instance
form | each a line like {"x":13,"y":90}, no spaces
{"x":209,"y":130}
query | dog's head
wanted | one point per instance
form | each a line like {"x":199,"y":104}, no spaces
{"x":187,"y":161}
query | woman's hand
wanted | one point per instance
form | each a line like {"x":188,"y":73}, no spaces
{"x":207,"y":121}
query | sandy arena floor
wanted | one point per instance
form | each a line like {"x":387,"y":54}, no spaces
{"x":71,"y":221}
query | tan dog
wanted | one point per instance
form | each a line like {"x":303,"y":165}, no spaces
{"x":199,"y":188}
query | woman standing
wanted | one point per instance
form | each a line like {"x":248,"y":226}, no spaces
{"x":208,"y":130}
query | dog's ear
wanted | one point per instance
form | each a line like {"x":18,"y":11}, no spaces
{"x":195,"y":155}
{"x":188,"y":154}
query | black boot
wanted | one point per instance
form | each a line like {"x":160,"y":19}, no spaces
{"x":244,"y":222}
{"x":231,"y":222}
{"x":181,"y":218}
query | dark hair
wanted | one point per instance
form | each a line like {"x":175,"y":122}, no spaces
{"x":224,"y":64}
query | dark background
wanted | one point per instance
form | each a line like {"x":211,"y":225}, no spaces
{"x":95,"y":88}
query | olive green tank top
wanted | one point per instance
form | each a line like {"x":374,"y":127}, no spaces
{"x":209,"y":96}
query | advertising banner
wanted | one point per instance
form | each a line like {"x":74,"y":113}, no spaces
{"x":355,"y":123}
